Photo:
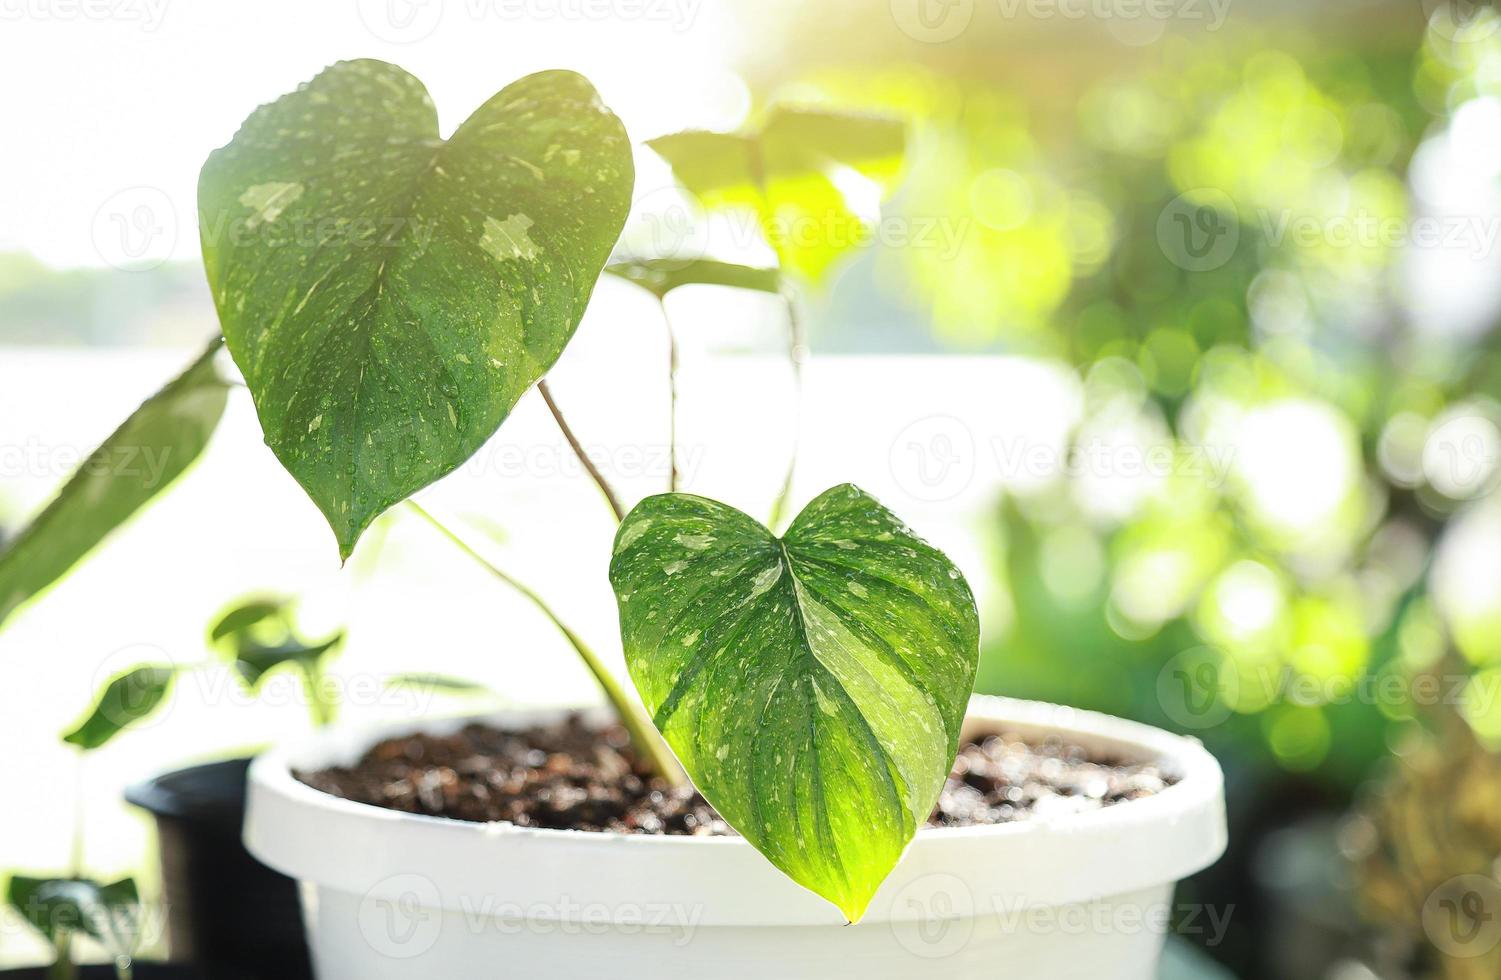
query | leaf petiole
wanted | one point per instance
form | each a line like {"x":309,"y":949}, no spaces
{"x":643,"y":735}
{"x":578,"y":450}
{"x":672,"y":396}
{"x":797,"y":352}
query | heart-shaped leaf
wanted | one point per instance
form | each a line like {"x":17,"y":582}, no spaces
{"x":789,"y":172}
{"x":390,"y":295}
{"x":812,"y":685}
{"x":143,"y":456}
{"x":126,"y":699}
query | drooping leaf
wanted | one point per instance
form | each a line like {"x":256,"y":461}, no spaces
{"x":139,"y":460}
{"x":254,"y":661}
{"x":791,"y":172}
{"x":812,"y":685}
{"x":388,"y":294}
{"x":126,"y":699}
{"x":57,"y":906}
{"x":245,"y":615}
{"x":661,"y":276}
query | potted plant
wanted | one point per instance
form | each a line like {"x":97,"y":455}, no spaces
{"x":388,"y":297}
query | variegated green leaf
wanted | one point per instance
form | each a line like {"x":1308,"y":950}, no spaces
{"x":812,"y":685}
{"x":390,"y":295}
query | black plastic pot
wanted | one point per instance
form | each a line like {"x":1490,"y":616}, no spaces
{"x":228,"y":916}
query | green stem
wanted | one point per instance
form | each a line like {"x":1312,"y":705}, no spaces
{"x":578,"y":450}
{"x":797,"y":352}
{"x":643,"y":735}
{"x":672,"y":396}
{"x":797,"y":349}
{"x":63,"y":967}
{"x":76,"y":847}
{"x":319,"y":706}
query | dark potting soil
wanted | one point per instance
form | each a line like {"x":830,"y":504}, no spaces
{"x":567,"y":776}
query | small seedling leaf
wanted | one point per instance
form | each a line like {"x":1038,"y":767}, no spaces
{"x":125,"y":700}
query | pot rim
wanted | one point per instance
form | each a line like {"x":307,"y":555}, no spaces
{"x":365,"y":849}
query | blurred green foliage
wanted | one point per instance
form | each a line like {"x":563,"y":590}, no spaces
{"x":1216,"y":242}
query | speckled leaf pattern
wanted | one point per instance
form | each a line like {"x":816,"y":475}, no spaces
{"x":390,"y":295}
{"x":812,"y":685}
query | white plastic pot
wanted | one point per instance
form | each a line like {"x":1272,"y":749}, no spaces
{"x":389,"y":894}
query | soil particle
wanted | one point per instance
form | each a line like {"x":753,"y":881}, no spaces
{"x":568,"y":776}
